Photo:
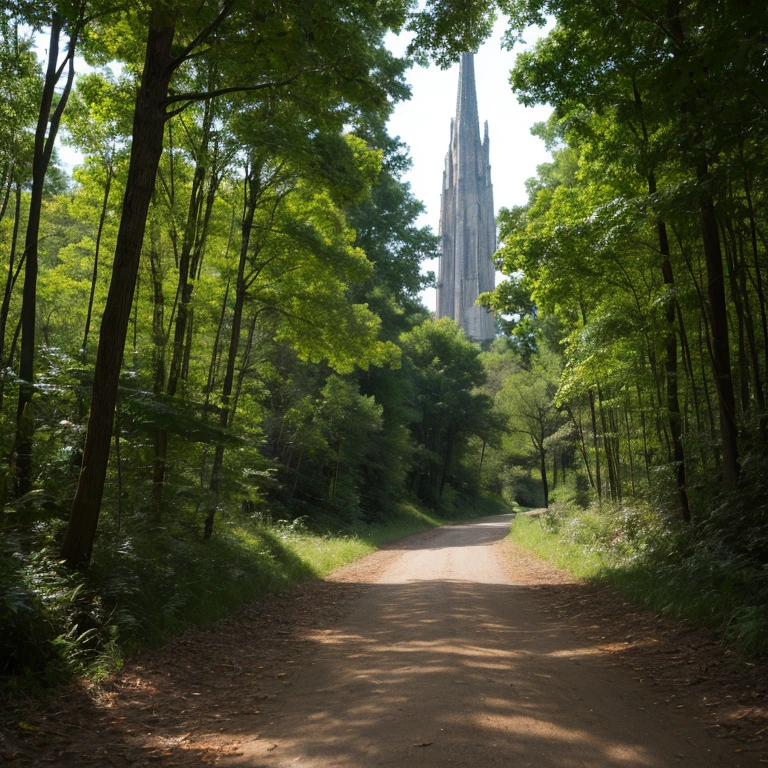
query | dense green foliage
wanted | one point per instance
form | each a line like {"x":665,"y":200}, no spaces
{"x":636,"y":300}
{"x":214,"y":326}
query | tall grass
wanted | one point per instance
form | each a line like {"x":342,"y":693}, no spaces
{"x":148,"y":584}
{"x":668,"y":569}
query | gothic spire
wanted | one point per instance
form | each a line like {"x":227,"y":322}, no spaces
{"x":467,"y":121}
{"x":467,"y":226}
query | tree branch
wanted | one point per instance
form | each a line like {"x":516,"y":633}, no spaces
{"x":203,"y":34}
{"x":190,"y":98}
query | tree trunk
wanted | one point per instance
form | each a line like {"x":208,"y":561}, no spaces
{"x":45,"y":136}
{"x":756,"y":262}
{"x":673,"y":400}
{"x":212,"y":369}
{"x":616,"y":451}
{"x":191,"y":249}
{"x":543,"y":466}
{"x":721,"y":354}
{"x":707,"y":398}
{"x":670,"y":363}
{"x":251,"y":187}
{"x":146,"y":149}
{"x":607,"y":447}
{"x":688,"y":364}
{"x":752,"y":344}
{"x":596,"y":442}
{"x":94,"y":275}
{"x":644,"y":427}
{"x":244,"y":363}
{"x":582,"y":444}
{"x":629,"y":450}
{"x":731,"y":260}
{"x":192,"y":244}
{"x":159,"y":341}
{"x":11,"y":279}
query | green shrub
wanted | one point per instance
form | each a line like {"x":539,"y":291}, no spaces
{"x":697,"y":573}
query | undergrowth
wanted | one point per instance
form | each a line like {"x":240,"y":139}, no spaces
{"x":148,"y":584}
{"x":689,"y":572}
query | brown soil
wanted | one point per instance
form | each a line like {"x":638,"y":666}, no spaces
{"x":452,"y":647}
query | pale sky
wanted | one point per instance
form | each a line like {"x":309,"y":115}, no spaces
{"x":424,"y":122}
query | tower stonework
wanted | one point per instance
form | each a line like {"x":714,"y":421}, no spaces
{"x":467,"y":223}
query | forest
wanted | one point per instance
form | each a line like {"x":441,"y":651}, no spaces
{"x":214,"y":358}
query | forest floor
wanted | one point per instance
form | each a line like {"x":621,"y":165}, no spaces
{"x":452,"y":647}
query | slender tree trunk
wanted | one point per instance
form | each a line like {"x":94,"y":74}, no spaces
{"x":582,"y":444}
{"x":251,"y":194}
{"x":336,"y":472}
{"x":11,"y":279}
{"x":539,"y":445}
{"x":661,"y":424}
{"x":616,"y":451}
{"x":118,"y":467}
{"x":244,"y":363}
{"x":713,"y":258}
{"x":193,"y":243}
{"x":297,"y":474}
{"x":607,"y":447}
{"x":629,"y":451}
{"x":45,"y":136}
{"x":135,"y":345}
{"x":212,"y":368}
{"x":7,"y":176}
{"x":189,"y":242}
{"x":721,"y":353}
{"x":159,"y":341}
{"x":742,"y":367}
{"x":11,"y":355}
{"x":146,"y":149}
{"x":644,"y":427}
{"x":688,"y":364}
{"x":596,"y":442}
{"x":673,"y":399}
{"x":752,"y":345}
{"x":759,"y":287}
{"x":94,"y":274}
{"x":707,"y":398}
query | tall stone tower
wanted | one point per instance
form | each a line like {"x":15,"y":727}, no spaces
{"x":467,"y":223}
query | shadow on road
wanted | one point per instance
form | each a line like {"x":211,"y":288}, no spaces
{"x":428,"y":672}
{"x":483,"y":532}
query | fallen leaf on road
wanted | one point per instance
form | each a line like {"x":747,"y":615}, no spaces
{"x":27,"y":727}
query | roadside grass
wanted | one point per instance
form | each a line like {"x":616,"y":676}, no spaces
{"x":146,"y":586}
{"x":530,"y":532}
{"x":631,"y":551}
{"x":195,"y":583}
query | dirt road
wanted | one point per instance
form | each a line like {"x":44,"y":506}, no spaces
{"x":446,"y":662}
